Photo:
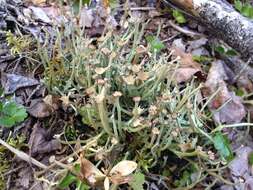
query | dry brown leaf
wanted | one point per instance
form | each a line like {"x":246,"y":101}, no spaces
{"x":225,"y":106}
{"x":13,"y":82}
{"x":40,"y":109}
{"x":185,"y":74}
{"x":86,"y":18}
{"x":40,"y":142}
{"x":107,"y":183}
{"x":186,"y":59}
{"x":118,"y":180}
{"x":129,"y":80}
{"x":65,"y":100}
{"x":101,"y":70}
{"x":143,"y":75}
{"x":124,"y":168}
{"x":185,"y":147}
{"x":89,"y":172}
{"x":188,"y":68}
{"x":136,"y":68}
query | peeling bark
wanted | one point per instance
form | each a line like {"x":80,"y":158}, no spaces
{"x":229,"y":25}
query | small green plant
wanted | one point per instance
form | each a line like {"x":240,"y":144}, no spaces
{"x":11,"y":113}
{"x":201,"y":58}
{"x":221,"y":143}
{"x":179,"y":17}
{"x":155,"y":43}
{"x":18,"y":44}
{"x":225,"y":51}
{"x":246,"y":9}
{"x":137,"y":181}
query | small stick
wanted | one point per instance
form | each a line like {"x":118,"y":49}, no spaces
{"x":23,"y":155}
{"x":185,"y":31}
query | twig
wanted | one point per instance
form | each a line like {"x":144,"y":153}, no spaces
{"x":185,"y":31}
{"x":221,"y":127}
{"x":71,"y":155}
{"x":12,"y":171}
{"x":22,"y":155}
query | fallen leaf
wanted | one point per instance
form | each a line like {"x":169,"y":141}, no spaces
{"x":184,"y":74}
{"x":233,"y":111}
{"x":86,"y":17}
{"x":124,"y":168}
{"x":101,"y":70}
{"x":129,"y":80}
{"x":187,"y":68}
{"x":185,"y":147}
{"x":118,"y":180}
{"x":136,"y":68}
{"x":89,"y":172}
{"x":40,"y":109}
{"x":13,"y":82}
{"x":107,"y":183}
{"x":143,"y":75}
{"x":65,"y":100}
{"x":186,"y":59}
{"x":240,"y":169}
{"x":24,"y":177}
{"x":40,"y":142}
{"x":39,"y":14}
{"x":195,"y":44}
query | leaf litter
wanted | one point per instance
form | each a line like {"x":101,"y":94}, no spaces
{"x":226,"y":107}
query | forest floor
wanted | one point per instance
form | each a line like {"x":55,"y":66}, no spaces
{"x":120,"y":95}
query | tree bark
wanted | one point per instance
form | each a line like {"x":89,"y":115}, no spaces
{"x":229,"y":25}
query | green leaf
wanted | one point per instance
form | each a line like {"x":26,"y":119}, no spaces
{"x":155,"y":43}
{"x":6,"y":121}
{"x":201,"y":58}
{"x":231,"y":52}
{"x":9,"y":108}
{"x":1,"y":91}
{"x":20,"y":114}
{"x":1,"y":106}
{"x":220,"y":49}
{"x":250,"y":158}
{"x":66,"y":181}
{"x":11,"y":113}
{"x":179,"y":17}
{"x":221,"y":143}
{"x":81,"y":186}
{"x":247,"y":10}
{"x":238,"y":5}
{"x":184,"y":180}
{"x":138,"y":181}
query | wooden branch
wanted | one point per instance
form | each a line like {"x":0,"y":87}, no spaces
{"x":23,"y":155}
{"x":228,"y":24}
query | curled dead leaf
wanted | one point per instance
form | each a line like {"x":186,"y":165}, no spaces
{"x":107,"y":183}
{"x":187,"y":68}
{"x":136,"y":68}
{"x":129,"y":80}
{"x":225,"y":106}
{"x":118,"y":180}
{"x":142,"y":75}
{"x":124,"y":168}
{"x":40,"y":109}
{"x":89,"y":172}
{"x":86,"y":17}
{"x":101,"y":70}
{"x":65,"y":100}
